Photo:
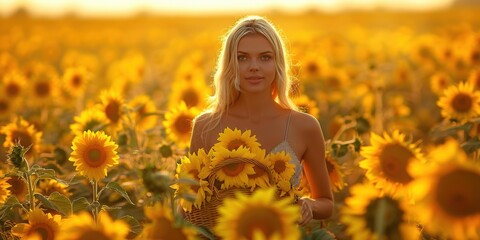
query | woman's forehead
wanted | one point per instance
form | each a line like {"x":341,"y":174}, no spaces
{"x":255,"y":43}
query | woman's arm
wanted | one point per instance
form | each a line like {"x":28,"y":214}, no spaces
{"x":320,"y":205}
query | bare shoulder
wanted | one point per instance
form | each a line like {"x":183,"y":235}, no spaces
{"x":202,"y":119}
{"x":305,"y":122}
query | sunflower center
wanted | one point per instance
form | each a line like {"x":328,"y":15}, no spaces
{"x":42,"y":89}
{"x":23,"y":137}
{"x":12,"y":90}
{"x":333,"y":82}
{"x":4,"y":106}
{"x":18,"y":186}
{"x":385,"y":212}
{"x":457,"y":193}
{"x":93,"y":234}
{"x":462,"y":103}
{"x":183,"y":124}
{"x":43,"y":229}
{"x":258,"y":172}
{"x":190,"y":97}
{"x":233,"y":169}
{"x":94,"y":157}
{"x":142,"y":110}
{"x":312,"y":68}
{"x":259,"y":218}
{"x":279,"y":166}
{"x":112,"y":110}
{"x":76,"y":80}
{"x":394,"y":159}
{"x":235,"y":144}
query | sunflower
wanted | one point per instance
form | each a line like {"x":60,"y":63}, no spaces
{"x":13,"y":84}
{"x":93,"y":153}
{"x":92,"y":119}
{"x":48,"y":186}
{"x":260,"y":178}
{"x":178,"y":123}
{"x":460,"y":102}
{"x":305,"y":104}
{"x":144,"y":112}
{"x":193,"y":93}
{"x":83,"y":226}
{"x":335,"y":174}
{"x":40,"y":225}
{"x":43,"y":83}
{"x":233,"y":174}
{"x":233,"y":139}
{"x":370,"y":213}
{"x":163,"y":226}
{"x":112,"y":106}
{"x":75,"y":80}
{"x":23,"y":132}
{"x":4,"y":189}
{"x":439,"y":82}
{"x":261,"y":214}
{"x":446,"y":192}
{"x":280,"y":165}
{"x":312,"y":67}
{"x":387,"y":160}
{"x":195,"y":166}
{"x":18,"y":187}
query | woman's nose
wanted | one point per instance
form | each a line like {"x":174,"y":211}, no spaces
{"x":254,"y":65}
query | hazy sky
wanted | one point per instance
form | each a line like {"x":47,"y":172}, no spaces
{"x":126,"y":7}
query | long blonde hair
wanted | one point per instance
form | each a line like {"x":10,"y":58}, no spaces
{"x":226,"y":78}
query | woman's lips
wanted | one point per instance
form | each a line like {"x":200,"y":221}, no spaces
{"x":254,"y":80}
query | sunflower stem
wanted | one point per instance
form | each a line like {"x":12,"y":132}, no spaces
{"x":29,"y":185}
{"x":380,"y":218}
{"x":95,"y":200}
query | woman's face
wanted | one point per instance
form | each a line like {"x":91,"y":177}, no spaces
{"x":256,"y":60}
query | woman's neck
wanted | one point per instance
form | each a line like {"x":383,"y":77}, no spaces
{"x":254,"y":106}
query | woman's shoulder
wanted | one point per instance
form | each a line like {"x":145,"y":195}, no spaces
{"x":203,"y":118}
{"x":304,"y":121}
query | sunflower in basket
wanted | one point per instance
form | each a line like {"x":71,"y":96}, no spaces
{"x":233,"y":157}
{"x":195,"y":167}
{"x":282,"y":171}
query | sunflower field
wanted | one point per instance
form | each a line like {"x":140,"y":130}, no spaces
{"x":95,"y":119}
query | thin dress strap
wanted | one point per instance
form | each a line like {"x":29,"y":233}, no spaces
{"x":288,"y":123}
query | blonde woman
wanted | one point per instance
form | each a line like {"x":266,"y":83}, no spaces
{"x":251,"y":93}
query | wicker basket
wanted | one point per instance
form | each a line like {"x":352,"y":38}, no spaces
{"x":207,"y":215}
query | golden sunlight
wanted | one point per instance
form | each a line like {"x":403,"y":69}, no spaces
{"x":166,"y":7}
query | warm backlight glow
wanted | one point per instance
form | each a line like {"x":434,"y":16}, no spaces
{"x":128,"y":7}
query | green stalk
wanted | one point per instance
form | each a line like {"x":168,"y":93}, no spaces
{"x":95,"y":200}
{"x":29,"y":185}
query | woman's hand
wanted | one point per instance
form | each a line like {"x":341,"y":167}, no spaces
{"x":305,"y":210}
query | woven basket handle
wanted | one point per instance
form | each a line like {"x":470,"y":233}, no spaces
{"x":226,"y":162}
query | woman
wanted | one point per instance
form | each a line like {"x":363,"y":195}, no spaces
{"x":251,"y":93}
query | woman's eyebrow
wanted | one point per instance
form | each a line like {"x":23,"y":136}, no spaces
{"x":260,"y":53}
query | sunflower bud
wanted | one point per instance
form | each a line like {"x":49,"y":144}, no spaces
{"x":16,"y":155}
{"x":156,"y":181}
{"x":166,"y":151}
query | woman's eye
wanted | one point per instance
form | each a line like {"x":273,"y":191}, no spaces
{"x":241,"y":58}
{"x":266,"y":58}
